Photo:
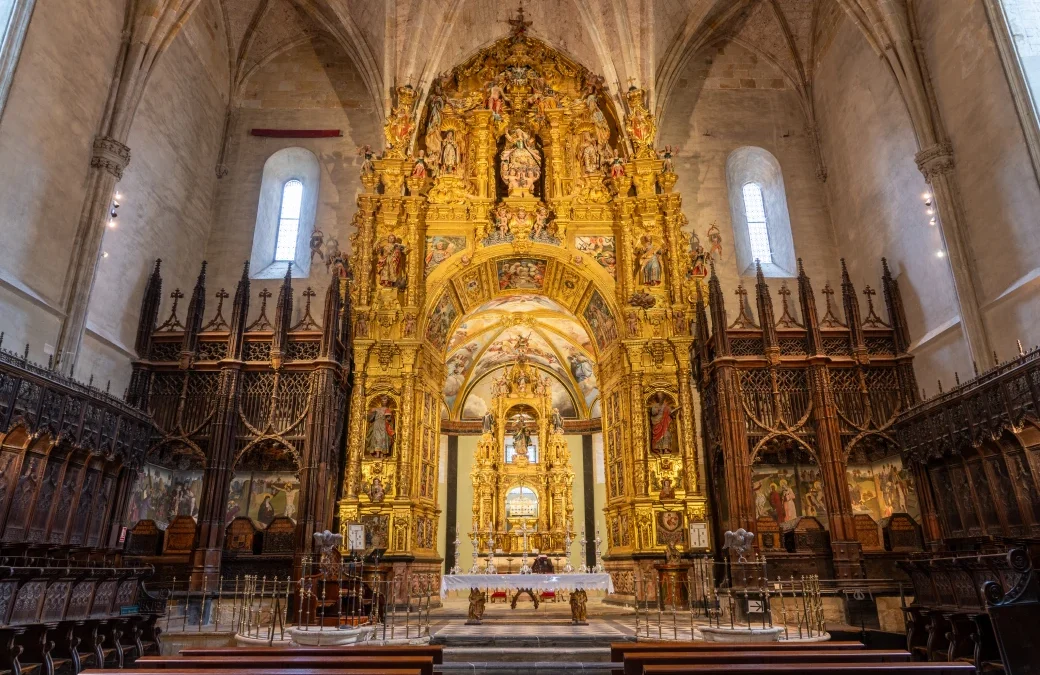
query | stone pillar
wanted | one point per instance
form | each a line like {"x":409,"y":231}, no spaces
{"x":109,"y":159}
{"x":937,"y":165}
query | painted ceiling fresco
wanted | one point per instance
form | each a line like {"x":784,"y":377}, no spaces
{"x":483,"y":342}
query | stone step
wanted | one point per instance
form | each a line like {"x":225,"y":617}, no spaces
{"x":526,"y":668}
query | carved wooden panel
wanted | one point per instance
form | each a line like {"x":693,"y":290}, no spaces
{"x":867,"y":532}
{"x":55,"y":603}
{"x":23,"y":497}
{"x":63,"y":511}
{"x":103,"y":597}
{"x":239,"y":536}
{"x":180,"y":535}
{"x":902,"y":533}
{"x":45,"y":499}
{"x":84,"y":508}
{"x":769,"y":534}
{"x":145,"y":538}
{"x":806,"y":535}
{"x":81,"y":599}
{"x":7,"y":592}
{"x":28,"y":603}
{"x":127,"y":593}
{"x":278,"y":537}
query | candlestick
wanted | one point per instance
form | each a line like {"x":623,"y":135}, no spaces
{"x":476,"y":552}
{"x":583,"y":568}
{"x":598,"y":569}
{"x":524,"y":567}
{"x":568,"y":568}
{"x":456,"y":569}
{"x":490,"y":567}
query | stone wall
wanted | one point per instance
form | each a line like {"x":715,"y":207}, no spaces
{"x":729,"y":98}
{"x":46,"y":132}
{"x":167,"y":192}
{"x":875,"y":194}
{"x":999,"y":187}
{"x":313,"y":85}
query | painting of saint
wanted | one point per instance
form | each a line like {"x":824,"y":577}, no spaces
{"x":649,"y":257}
{"x":602,"y":249}
{"x":379,"y":441}
{"x":601,"y":321}
{"x":521,"y":273}
{"x":714,"y":241}
{"x":663,"y":438}
{"x":581,"y":370}
{"x":439,"y":249}
{"x":441,"y":318}
{"x":390,"y":263}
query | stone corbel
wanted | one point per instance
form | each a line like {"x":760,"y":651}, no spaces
{"x":110,"y":155}
{"x":935,"y":160}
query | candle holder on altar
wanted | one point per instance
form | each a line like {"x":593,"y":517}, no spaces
{"x":455,"y":568}
{"x":584,"y":569}
{"x":598,"y":569}
{"x":490,"y":567}
{"x":524,"y":567}
{"x":568,"y":568}
{"x":475,"y":569}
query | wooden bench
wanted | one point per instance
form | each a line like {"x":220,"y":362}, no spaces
{"x":910,"y":668}
{"x":261,"y":671}
{"x":423,"y":663}
{"x":634,"y":663}
{"x":619,"y":649}
{"x":436,"y":652}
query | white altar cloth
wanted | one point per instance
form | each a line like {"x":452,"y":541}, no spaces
{"x":536,"y":582}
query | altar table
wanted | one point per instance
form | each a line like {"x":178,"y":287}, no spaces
{"x":577,"y":583}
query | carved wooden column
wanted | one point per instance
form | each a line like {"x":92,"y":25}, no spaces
{"x":319,"y":454}
{"x":205,"y":564}
{"x":830,"y":453}
{"x":357,"y":429}
{"x":730,"y":406}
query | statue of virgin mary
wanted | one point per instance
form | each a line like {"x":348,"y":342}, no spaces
{"x":521,"y":163}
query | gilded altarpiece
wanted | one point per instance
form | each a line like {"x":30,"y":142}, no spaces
{"x":515,"y":173}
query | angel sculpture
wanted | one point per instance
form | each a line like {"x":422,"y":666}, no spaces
{"x":740,"y":542}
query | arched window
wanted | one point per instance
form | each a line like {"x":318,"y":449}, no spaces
{"x":758,"y":231}
{"x":758,"y":211}
{"x":14,"y":22}
{"x":1016,"y":27}
{"x":289,"y":221}
{"x":285,"y":214}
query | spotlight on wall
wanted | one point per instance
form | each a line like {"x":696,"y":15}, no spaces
{"x":926,"y":196}
{"x":930,"y":212}
{"x":940,"y":254}
{"x":932,"y":221}
{"x":104,"y":254}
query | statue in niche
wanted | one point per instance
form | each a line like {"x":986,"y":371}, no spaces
{"x":379,"y":442}
{"x":599,"y":120}
{"x":488,"y":422}
{"x":667,"y":489}
{"x":433,"y":122}
{"x":419,"y":169}
{"x":662,"y":425}
{"x":390,"y":263}
{"x":521,"y":163}
{"x":556,"y":421}
{"x":522,"y":436}
{"x":495,"y":101}
{"x":588,"y":155}
{"x":449,"y":153}
{"x":376,"y":492}
{"x":651,"y":266}
{"x":617,"y":168}
{"x":544,"y":229}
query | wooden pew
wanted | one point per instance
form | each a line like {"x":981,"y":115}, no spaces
{"x":436,"y":652}
{"x":634,"y":663}
{"x":619,"y":649}
{"x":260,"y":671}
{"x":910,"y":668}
{"x":423,"y":663}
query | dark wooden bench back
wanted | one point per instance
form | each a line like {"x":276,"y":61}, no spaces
{"x":423,"y":663}
{"x":634,"y":663}
{"x":619,"y":649}
{"x":912,"y":668}
{"x":436,"y":652}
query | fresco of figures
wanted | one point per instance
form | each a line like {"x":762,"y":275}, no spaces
{"x":602,"y":249}
{"x":882,"y":488}
{"x":161,"y":494}
{"x":785,"y":492}
{"x":262,"y":496}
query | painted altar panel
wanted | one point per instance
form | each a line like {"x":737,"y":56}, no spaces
{"x":882,"y":488}
{"x":784,"y":492}
{"x":262,"y":496}
{"x":161,"y":494}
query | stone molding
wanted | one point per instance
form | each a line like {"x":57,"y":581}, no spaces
{"x":110,"y":155}
{"x":935,"y":160}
